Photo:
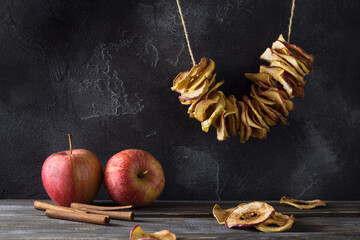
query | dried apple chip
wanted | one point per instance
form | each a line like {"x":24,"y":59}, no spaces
{"x":180,"y":82}
{"x":288,"y":68}
{"x":202,"y":77}
{"x":198,"y":68}
{"x":260,"y":78}
{"x":201,"y":113}
{"x":243,"y":117}
{"x":213,"y":88}
{"x":193,"y":94}
{"x":270,"y":97}
{"x":282,"y":223}
{"x":261,"y":120}
{"x":274,"y":95}
{"x":137,"y":233}
{"x":297,"y":52}
{"x":221,"y":131}
{"x":277,"y":74}
{"x":232,"y":99}
{"x":192,"y":107}
{"x":220,"y":214}
{"x":301,"y":204}
{"x":249,"y":214}
{"x":219,"y":107}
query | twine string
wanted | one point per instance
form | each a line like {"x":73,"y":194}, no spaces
{"x":291,"y":19}
{"x":186,"y":33}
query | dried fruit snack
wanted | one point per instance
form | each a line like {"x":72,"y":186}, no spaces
{"x":249,"y":214}
{"x":276,"y":223}
{"x":137,"y":233}
{"x":269,"y":100}
{"x":301,"y":204}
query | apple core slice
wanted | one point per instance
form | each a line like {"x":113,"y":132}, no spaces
{"x":249,"y":214}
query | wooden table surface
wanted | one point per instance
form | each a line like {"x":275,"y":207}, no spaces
{"x":187,"y":219}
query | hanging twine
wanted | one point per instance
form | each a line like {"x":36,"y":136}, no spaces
{"x":187,"y":36}
{"x":291,"y":19}
{"x":185,"y":31}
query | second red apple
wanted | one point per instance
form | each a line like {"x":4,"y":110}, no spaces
{"x":133,"y":177}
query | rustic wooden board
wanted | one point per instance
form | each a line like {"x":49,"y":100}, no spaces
{"x":188,"y":220}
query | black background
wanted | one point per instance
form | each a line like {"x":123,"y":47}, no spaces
{"x":102,"y":70}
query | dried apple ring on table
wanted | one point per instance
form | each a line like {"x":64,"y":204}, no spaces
{"x":249,"y":214}
{"x":220,"y":214}
{"x":301,"y":204}
{"x":276,"y":223}
{"x":137,"y":233}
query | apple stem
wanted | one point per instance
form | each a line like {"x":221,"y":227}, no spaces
{"x":70,"y":143}
{"x":142,"y":174}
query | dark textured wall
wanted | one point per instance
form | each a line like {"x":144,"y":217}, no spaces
{"x":102,"y":70}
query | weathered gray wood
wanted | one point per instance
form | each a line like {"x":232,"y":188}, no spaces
{"x":188,"y":220}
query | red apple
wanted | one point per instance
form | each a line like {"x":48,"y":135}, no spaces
{"x":133,"y":177}
{"x":72,"y":176}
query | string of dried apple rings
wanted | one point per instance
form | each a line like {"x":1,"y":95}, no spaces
{"x":270,"y":96}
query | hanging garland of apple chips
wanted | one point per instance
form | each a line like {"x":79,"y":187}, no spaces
{"x":270,"y":97}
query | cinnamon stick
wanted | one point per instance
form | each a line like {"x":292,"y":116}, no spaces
{"x":45,"y":206}
{"x":100,"y":208}
{"x":127,"y":216}
{"x":78,"y":217}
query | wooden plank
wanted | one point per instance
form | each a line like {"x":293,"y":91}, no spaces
{"x":204,"y":208}
{"x":184,"y":228}
{"x":188,"y":220}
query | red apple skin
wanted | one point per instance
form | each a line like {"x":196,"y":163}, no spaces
{"x":122,"y":181}
{"x":72,"y":178}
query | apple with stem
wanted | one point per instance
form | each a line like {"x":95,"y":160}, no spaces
{"x":72,"y":176}
{"x":133,"y":177}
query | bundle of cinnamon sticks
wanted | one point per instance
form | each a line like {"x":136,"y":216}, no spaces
{"x":85,"y":212}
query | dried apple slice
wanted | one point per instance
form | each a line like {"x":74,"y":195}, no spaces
{"x":220,"y":214}
{"x":230,"y":123}
{"x":201,"y":113}
{"x":289,"y":69}
{"x":259,"y":133}
{"x":192,"y":107}
{"x":293,"y":62}
{"x":182,"y":79}
{"x":277,"y":74}
{"x":193,"y":94}
{"x":268,"y":119}
{"x":297,"y":52}
{"x":221,"y":131}
{"x":202,"y":77}
{"x":180,"y":82}
{"x":282,"y":223}
{"x":243,"y":116}
{"x":232,"y":99}
{"x":296,"y":87}
{"x":213,"y":89}
{"x":249,"y":214}
{"x":274,"y":95}
{"x":137,"y":233}
{"x":198,"y":68}
{"x":301,"y":204}
{"x":270,"y":113}
{"x":261,"y":120}
{"x":219,"y":107}
{"x":269,"y":55}
{"x":258,"y":78}
{"x":254,"y":94}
